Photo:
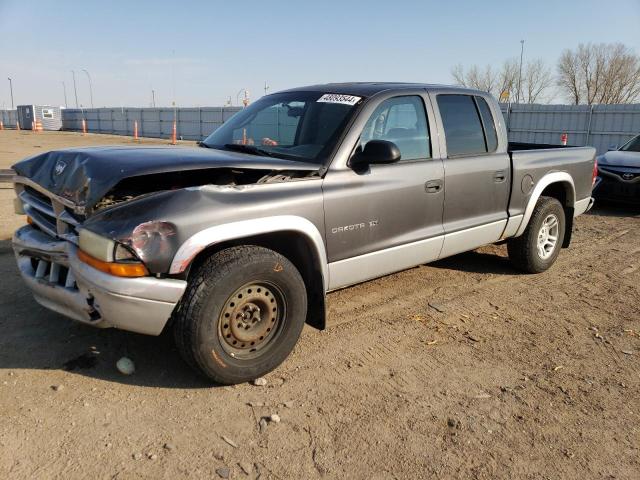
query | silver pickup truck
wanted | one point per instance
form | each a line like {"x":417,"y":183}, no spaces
{"x":235,"y":244}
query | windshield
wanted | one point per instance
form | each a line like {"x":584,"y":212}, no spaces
{"x":632,"y":145}
{"x":303,"y":126}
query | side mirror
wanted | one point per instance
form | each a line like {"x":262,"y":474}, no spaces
{"x":612,"y":148}
{"x":376,"y":152}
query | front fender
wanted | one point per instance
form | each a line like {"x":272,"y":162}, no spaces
{"x":249,"y":228}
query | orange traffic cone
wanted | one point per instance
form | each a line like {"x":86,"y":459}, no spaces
{"x":39,"y":126}
{"x":174,"y":135}
{"x":135,"y":131}
{"x":1,"y":125}
{"x":84,"y":126}
{"x":18,"y":125}
{"x":33,"y":126}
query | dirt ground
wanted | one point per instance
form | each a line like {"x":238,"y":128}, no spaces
{"x":459,"y":369}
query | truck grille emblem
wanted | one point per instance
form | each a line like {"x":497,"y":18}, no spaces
{"x":59,"y":168}
{"x":628,"y":176}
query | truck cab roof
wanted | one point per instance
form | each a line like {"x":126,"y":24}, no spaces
{"x":367,"y":89}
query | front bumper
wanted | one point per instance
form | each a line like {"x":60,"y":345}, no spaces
{"x":611,"y":187}
{"x":62,"y":283}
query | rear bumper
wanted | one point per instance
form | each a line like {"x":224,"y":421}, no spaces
{"x":583,"y":206}
{"x":62,"y":283}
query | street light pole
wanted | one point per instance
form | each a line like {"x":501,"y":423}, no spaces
{"x":90,"y":86}
{"x":520,"y":74}
{"x":64,"y":89}
{"x":75,"y":90}
{"x":11,"y":88}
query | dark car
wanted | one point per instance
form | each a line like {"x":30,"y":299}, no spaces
{"x":619,"y":174}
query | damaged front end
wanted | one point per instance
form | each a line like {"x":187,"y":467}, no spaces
{"x":102,"y":230}
{"x":62,"y":282}
{"x":135,"y":187}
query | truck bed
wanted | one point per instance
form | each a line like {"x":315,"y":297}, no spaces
{"x":531,"y":162}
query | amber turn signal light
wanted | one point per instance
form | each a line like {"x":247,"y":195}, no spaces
{"x":118,"y":269}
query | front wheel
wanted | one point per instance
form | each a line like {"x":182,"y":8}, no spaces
{"x":539,"y":246}
{"x":241,"y":315}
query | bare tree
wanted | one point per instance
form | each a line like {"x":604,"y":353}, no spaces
{"x":503,"y":84}
{"x":536,"y":81}
{"x":569,"y":79}
{"x":508,"y":79}
{"x":601,"y":73}
{"x":484,"y":79}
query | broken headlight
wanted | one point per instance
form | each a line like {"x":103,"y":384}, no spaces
{"x":108,"y":256}
{"x":151,"y":240}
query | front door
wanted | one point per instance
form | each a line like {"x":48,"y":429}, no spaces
{"x":388,"y":217}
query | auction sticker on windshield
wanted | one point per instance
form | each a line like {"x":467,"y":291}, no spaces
{"x":337,"y":98}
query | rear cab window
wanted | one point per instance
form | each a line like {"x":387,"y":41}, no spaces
{"x":468,"y":125}
{"x":488,"y":123}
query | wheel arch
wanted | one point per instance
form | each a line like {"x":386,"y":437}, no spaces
{"x":560,"y":186}
{"x":295,"y":238}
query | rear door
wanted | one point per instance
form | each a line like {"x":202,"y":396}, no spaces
{"x":477,"y":174}
{"x":388,"y":217}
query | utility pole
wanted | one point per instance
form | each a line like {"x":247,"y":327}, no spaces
{"x":75,"y":90}
{"x":266,"y":87}
{"x":11,"y":88}
{"x":90,"y":86}
{"x":64,"y":89}
{"x":520,"y":74}
{"x":153,"y":98}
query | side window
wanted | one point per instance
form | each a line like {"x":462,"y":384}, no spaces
{"x":403,"y":121}
{"x":489,"y":124}
{"x":462,"y":126}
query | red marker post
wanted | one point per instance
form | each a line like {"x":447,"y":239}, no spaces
{"x":563,"y":138}
{"x":174,"y":134}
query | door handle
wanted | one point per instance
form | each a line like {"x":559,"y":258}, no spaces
{"x":499,"y":176}
{"x":433,"y":186}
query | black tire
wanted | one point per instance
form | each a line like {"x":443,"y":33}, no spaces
{"x":211,"y":328}
{"x":523,"y":250}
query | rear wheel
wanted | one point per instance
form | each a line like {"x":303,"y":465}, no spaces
{"x":539,"y":246}
{"x":241,"y":315}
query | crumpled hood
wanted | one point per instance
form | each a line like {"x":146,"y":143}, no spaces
{"x":85,"y":175}
{"x":619,"y":158}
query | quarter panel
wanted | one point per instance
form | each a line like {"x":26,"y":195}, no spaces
{"x":576,"y":162}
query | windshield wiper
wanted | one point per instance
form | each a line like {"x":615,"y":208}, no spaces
{"x":204,"y":145}
{"x":251,"y":149}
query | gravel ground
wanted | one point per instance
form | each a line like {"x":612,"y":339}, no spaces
{"x":459,"y":369}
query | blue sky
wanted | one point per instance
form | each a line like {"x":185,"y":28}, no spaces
{"x":210,"y":50}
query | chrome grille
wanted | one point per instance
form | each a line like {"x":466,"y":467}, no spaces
{"x":48,"y":213}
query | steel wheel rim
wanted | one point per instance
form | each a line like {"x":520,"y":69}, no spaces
{"x":251,"y":319}
{"x":548,"y":236}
